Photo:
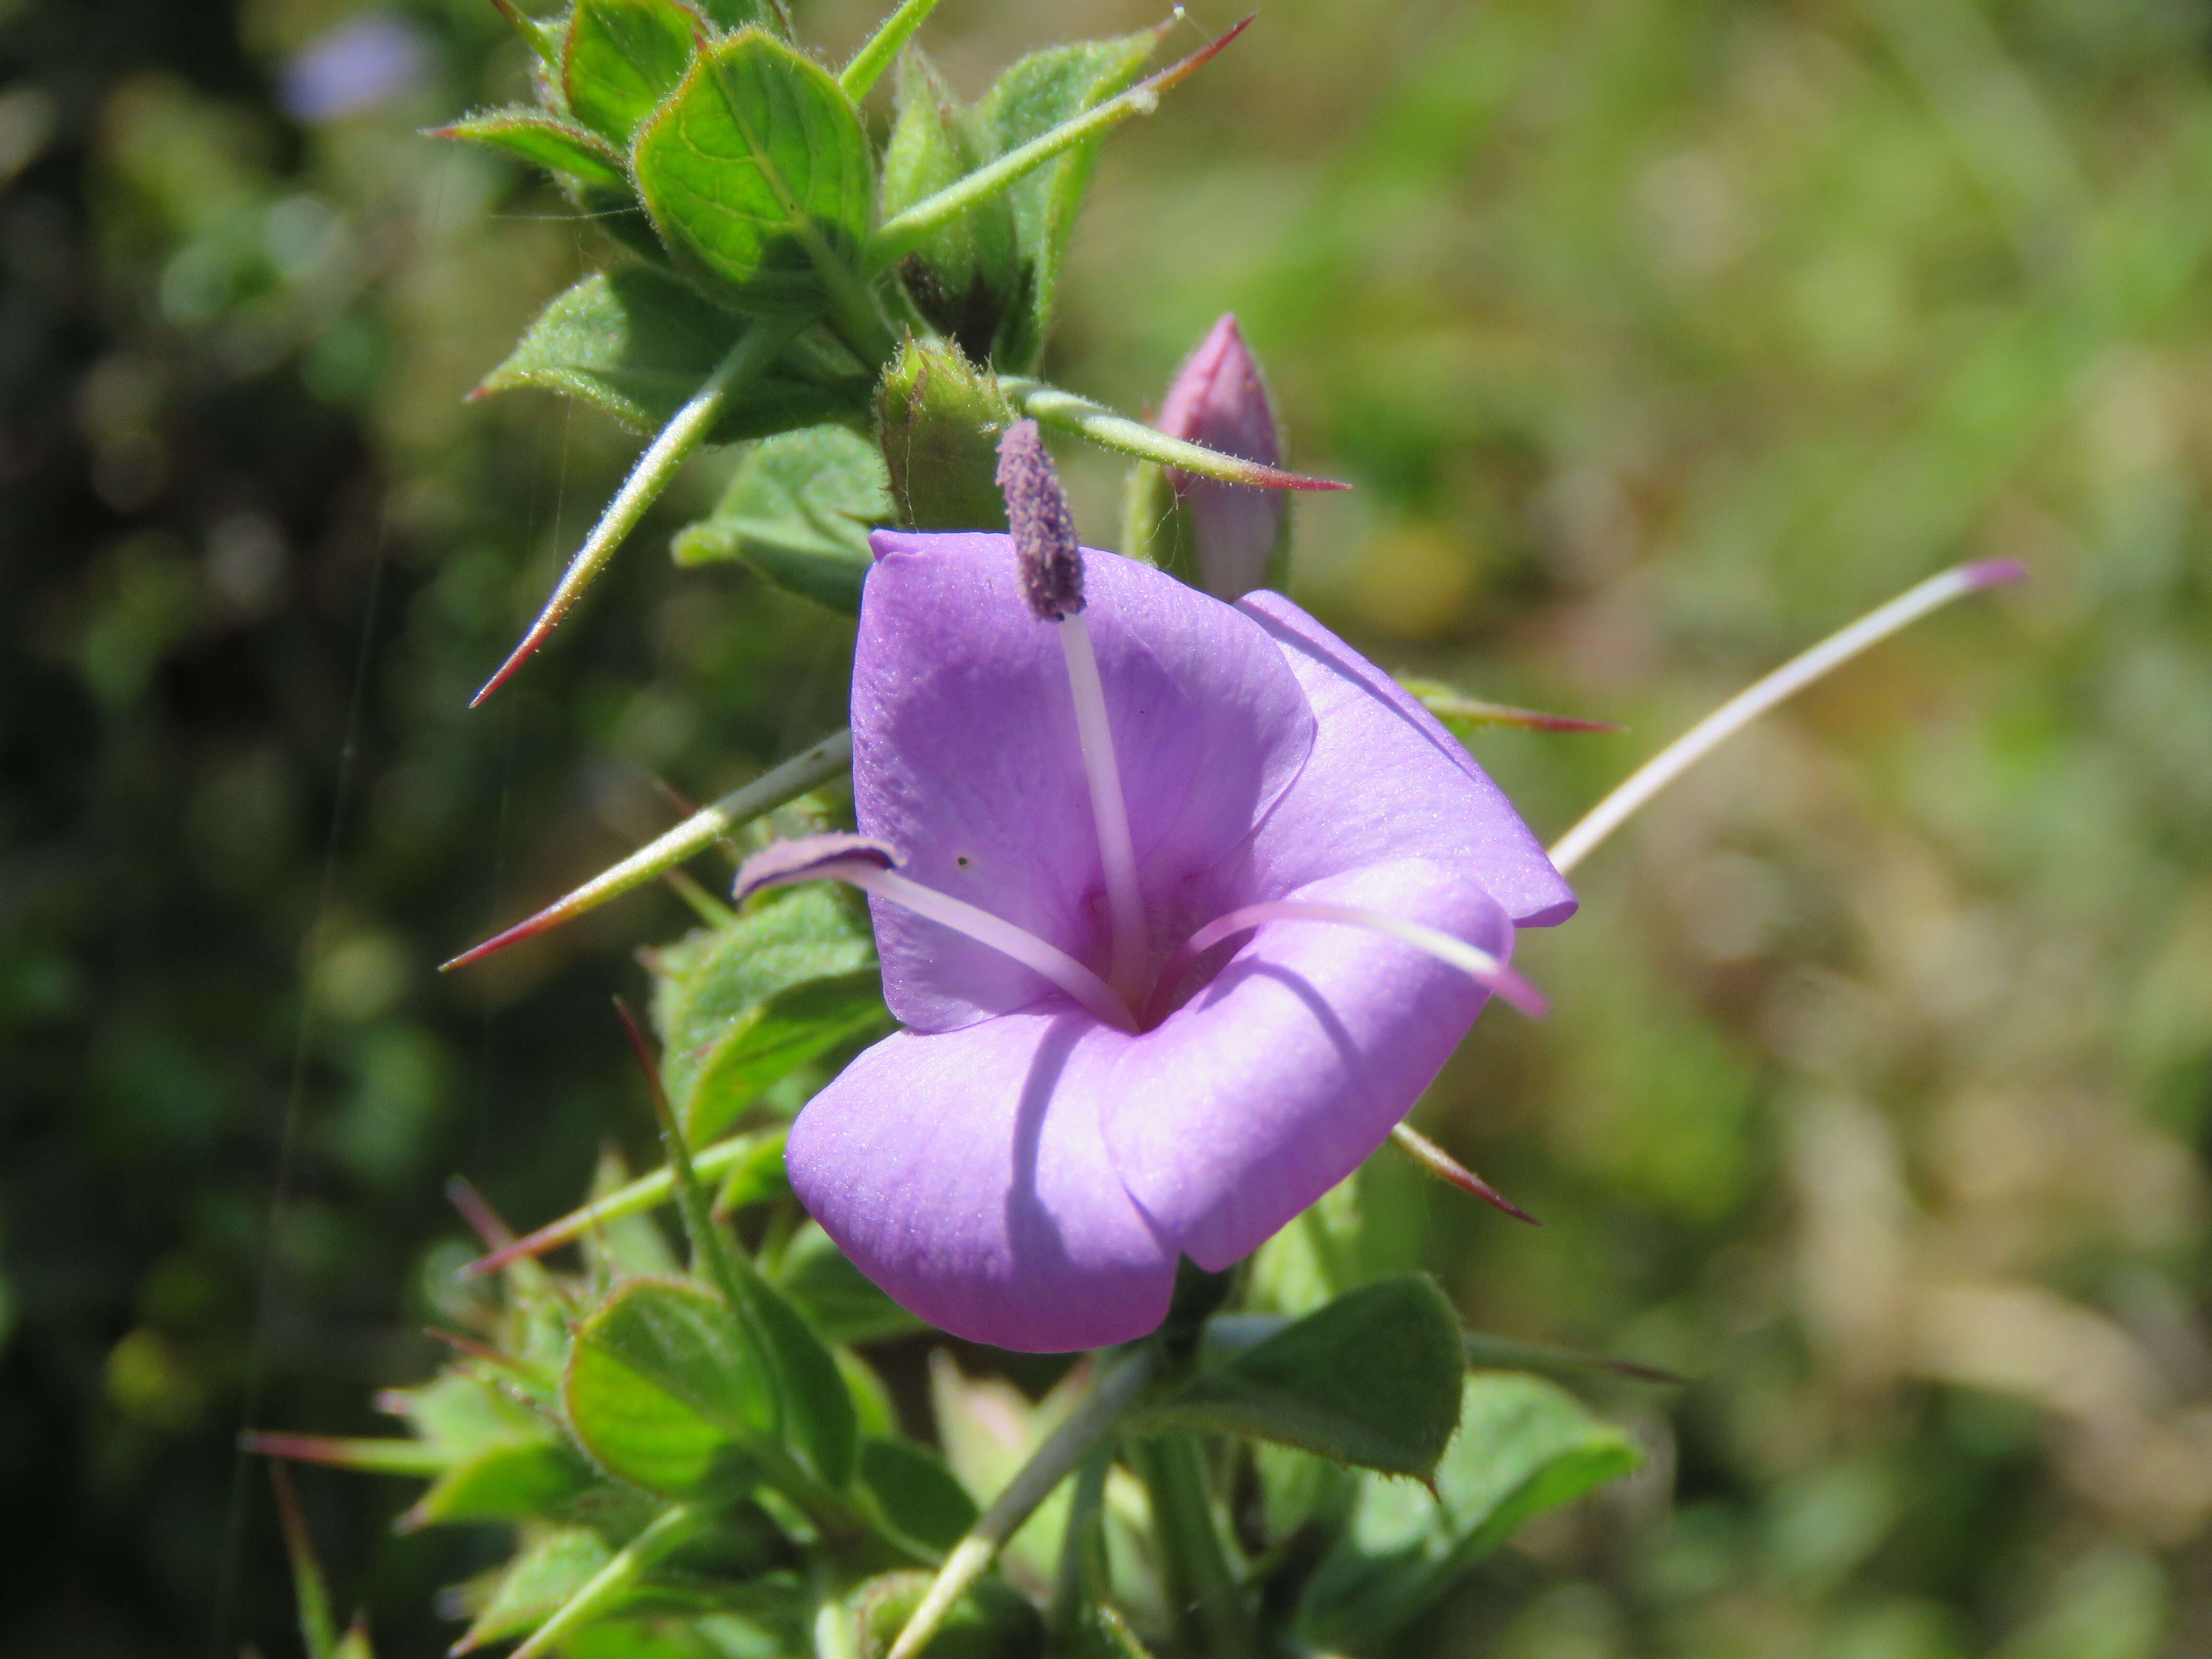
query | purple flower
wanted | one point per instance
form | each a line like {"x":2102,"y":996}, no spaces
{"x":362,"y":63}
{"x":1190,"y":904}
{"x":1218,"y":399}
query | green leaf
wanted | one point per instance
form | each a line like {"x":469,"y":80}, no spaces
{"x":991,"y":1620}
{"x":1372,"y":1379}
{"x":1030,"y":99}
{"x":550,"y":142}
{"x":531,"y":1587}
{"x":637,"y":343}
{"x":511,"y":1481}
{"x":820,"y":1423}
{"x":461,"y":1414}
{"x":730,"y":15}
{"x":1524,"y":1446}
{"x":963,"y":275}
{"x":622,"y":57}
{"x":737,"y":1007}
{"x":839,"y":1301}
{"x":669,"y":1391}
{"x":757,"y":173}
{"x":798,"y":510}
{"x":917,"y":1494}
{"x":628,"y":1246}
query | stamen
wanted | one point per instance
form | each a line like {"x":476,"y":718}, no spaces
{"x":1051,"y":563}
{"x":1471,"y":960}
{"x":1746,"y":706}
{"x":864,"y":864}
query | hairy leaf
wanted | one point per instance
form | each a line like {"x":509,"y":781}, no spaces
{"x":1524,"y":1446}
{"x":668,"y":1390}
{"x":738,"y":1006}
{"x":798,"y":510}
{"x":1030,"y":99}
{"x":637,"y":343}
{"x":552,"y":143}
{"x":757,"y":173}
{"x":964,"y":275}
{"x":531,"y":1587}
{"x":622,"y":57}
{"x":1372,"y":1379}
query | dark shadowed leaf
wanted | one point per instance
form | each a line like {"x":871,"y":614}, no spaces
{"x":552,"y":143}
{"x":622,"y":57}
{"x":1524,"y":1446}
{"x":637,"y":343}
{"x":532,"y":1586}
{"x":1372,"y":1379}
{"x":757,"y":171}
{"x":740,"y":1006}
{"x":838,"y":1299}
{"x":798,"y":510}
{"x":964,"y":274}
{"x":917,"y":1495}
{"x":1030,"y":99}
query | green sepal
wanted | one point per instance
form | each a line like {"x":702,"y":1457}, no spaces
{"x":738,"y":1007}
{"x":839,"y":1301}
{"x":961,"y":277}
{"x":938,"y":423}
{"x":636,"y":343}
{"x":622,"y":57}
{"x":1035,"y":96}
{"x":914,"y":1494}
{"x":558,"y":146}
{"x":1524,"y":1446}
{"x":757,"y":171}
{"x":1371,"y":1380}
{"x":798,"y":510}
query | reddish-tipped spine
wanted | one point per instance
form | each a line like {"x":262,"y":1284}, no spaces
{"x":1438,"y":1162}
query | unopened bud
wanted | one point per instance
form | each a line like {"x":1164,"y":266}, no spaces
{"x":1051,"y":558}
{"x":1217,"y":399}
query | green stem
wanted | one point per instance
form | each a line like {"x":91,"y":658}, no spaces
{"x":860,"y":77}
{"x":651,"y":474}
{"x":1082,"y":1571}
{"x":903,"y":233}
{"x":1050,"y":1464}
{"x":795,"y":777}
{"x":1202,"y":1584}
{"x":1101,"y":426}
{"x":674,"y":1527}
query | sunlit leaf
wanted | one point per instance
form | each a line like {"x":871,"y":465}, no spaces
{"x":737,"y":1007}
{"x":637,"y":344}
{"x":668,"y":1390}
{"x":757,"y":173}
{"x":548,"y":141}
{"x":1031,"y":98}
{"x":622,"y":57}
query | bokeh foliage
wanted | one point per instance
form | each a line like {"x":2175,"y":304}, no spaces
{"x":1657,"y":335}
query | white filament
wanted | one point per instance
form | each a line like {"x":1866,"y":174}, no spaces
{"x":1110,"y":810}
{"x":1475,"y":963}
{"x":980,"y":924}
{"x":1746,"y":706}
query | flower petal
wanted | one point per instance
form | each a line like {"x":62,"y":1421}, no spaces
{"x":964,"y":1172}
{"x":965,"y":755}
{"x":1386,"y":780}
{"x":1271,"y":1084}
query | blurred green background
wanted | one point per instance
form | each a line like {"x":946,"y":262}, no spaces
{"x":1659,"y":337}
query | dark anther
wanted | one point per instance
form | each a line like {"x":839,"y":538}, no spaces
{"x":1044,"y":529}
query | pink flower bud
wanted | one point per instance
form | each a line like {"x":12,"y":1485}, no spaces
{"x":1220,"y":400}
